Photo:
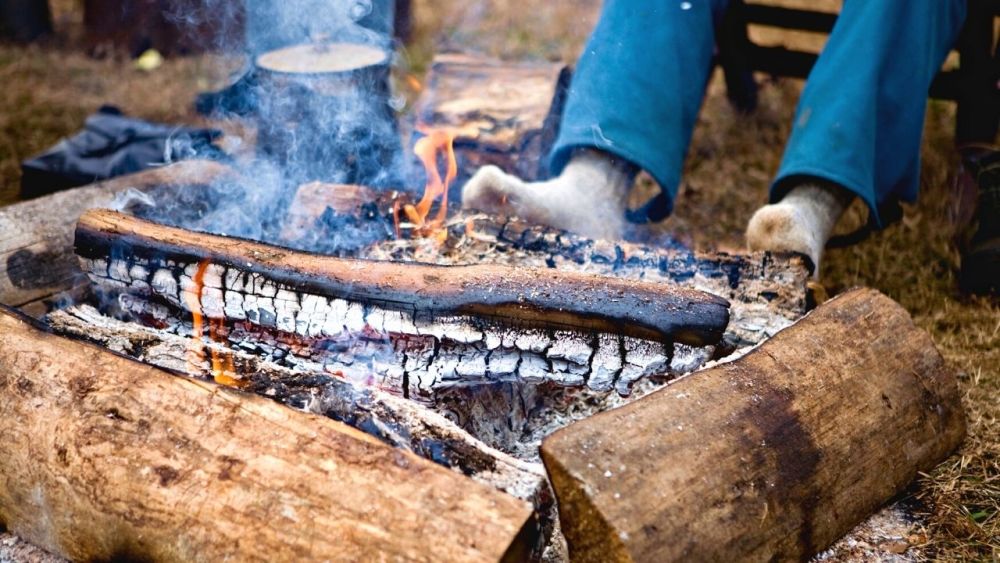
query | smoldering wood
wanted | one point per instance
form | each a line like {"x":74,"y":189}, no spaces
{"x":102,"y":462}
{"x":503,"y":113}
{"x":809,"y":433}
{"x":340,"y":219}
{"x":396,"y":421}
{"x":36,"y":237}
{"x":766,"y":291}
{"x":547,"y":299}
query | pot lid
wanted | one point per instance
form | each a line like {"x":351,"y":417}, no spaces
{"x":322,"y":58}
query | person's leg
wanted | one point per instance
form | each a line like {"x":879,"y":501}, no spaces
{"x":632,"y":104}
{"x":857,"y":130}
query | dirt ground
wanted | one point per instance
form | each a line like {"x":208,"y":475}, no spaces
{"x":48,"y":90}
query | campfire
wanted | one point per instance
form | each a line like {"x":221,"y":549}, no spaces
{"x":523,"y":364}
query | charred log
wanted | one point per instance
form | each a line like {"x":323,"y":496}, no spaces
{"x":398,"y":422}
{"x":546,"y":299}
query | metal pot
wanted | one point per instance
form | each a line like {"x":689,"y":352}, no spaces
{"x":324,"y":114}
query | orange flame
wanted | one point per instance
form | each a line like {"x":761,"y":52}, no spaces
{"x":428,"y":149}
{"x":414,"y":83}
{"x":223,"y":369}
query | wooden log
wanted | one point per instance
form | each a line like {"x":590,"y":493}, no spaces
{"x":119,"y":460}
{"x":506,"y":114}
{"x":340,"y":219}
{"x":36,"y":237}
{"x":398,"y":422}
{"x":538,"y":298}
{"x":770,"y":457}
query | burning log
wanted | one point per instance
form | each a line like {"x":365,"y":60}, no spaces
{"x":767,"y":291}
{"x":36,"y":237}
{"x":102,"y":462}
{"x":396,"y":421}
{"x":546,"y":299}
{"x":807,"y":435}
{"x":497,"y":322}
{"x":340,"y":219}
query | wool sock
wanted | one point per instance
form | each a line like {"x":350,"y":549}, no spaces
{"x":589,"y":198}
{"x":801,"y":222}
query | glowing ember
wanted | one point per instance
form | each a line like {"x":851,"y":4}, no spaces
{"x":429,"y":149}
{"x":223,"y":369}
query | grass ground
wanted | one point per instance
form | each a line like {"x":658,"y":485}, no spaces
{"x":49,"y":89}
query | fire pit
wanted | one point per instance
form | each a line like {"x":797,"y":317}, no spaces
{"x":468,"y":340}
{"x":437,"y":362}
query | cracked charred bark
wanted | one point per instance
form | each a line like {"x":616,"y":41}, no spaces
{"x":426,"y":326}
{"x":393,"y":420}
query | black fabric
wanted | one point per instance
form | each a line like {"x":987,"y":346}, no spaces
{"x":112,"y":144}
{"x":238,"y":99}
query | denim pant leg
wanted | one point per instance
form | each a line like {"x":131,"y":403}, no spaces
{"x":860,"y":118}
{"x":639,"y":85}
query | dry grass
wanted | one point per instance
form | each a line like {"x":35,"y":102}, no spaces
{"x":48,"y":91}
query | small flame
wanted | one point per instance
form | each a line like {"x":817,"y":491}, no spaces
{"x":223,"y":369}
{"x":414,"y":83}
{"x":428,"y":149}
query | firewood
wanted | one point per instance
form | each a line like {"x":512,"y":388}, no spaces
{"x":112,"y":459}
{"x":536,"y":298}
{"x":340,"y":219}
{"x":396,"y":421}
{"x":770,"y":457}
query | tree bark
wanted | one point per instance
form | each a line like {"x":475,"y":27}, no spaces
{"x":548,"y":299}
{"x":107,"y":458}
{"x":770,"y":457}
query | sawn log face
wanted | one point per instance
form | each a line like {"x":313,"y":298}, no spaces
{"x":770,"y":457}
{"x":105,"y":458}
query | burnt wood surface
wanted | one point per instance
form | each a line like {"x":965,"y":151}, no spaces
{"x":392,"y":419}
{"x":113,"y":459}
{"x":539,"y":298}
{"x":772,"y":456}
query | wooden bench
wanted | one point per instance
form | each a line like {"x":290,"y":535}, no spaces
{"x":974,"y":86}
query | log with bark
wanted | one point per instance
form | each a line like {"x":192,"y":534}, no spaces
{"x":769,"y":457}
{"x":548,"y":324}
{"x":766,"y":291}
{"x":113,"y":459}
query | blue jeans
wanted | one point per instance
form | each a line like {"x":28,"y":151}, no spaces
{"x":640,"y":82}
